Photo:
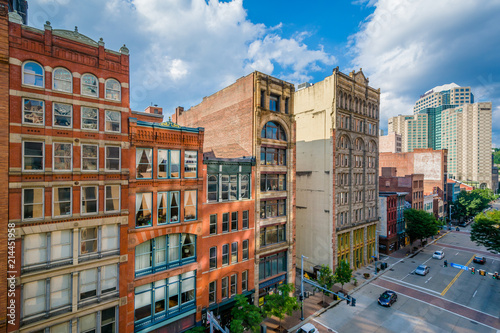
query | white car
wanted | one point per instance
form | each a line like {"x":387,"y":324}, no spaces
{"x":438,"y":255}
{"x":308,"y":328}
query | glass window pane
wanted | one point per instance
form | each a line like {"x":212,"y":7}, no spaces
{"x":33,"y":112}
{"x":63,"y":114}
{"x":190,"y":205}
{"x":60,"y":247}
{"x":60,"y":291}
{"x":175,"y":163}
{"x":33,"y":297}
{"x":190,"y":164}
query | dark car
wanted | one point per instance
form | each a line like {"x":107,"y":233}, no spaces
{"x":387,"y":298}
{"x":479,"y":260}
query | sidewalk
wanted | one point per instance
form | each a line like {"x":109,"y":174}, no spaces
{"x":314,"y":306}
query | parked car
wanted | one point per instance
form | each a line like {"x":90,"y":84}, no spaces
{"x":438,"y":255}
{"x":422,"y":270}
{"x":387,"y":298}
{"x":479,"y":260}
{"x":308,"y":328}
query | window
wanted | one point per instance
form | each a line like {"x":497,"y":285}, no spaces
{"x":224,"y":287}
{"x":90,"y":118}
{"x":33,"y":111}
{"x":274,"y":131}
{"x":234,"y":221}
{"x":62,"y":80}
{"x":245,"y":249}
{"x":212,"y":191}
{"x":113,"y":90}
{"x":244,"y":281}
{"x":245,"y":220}
{"x":33,"y":203}
{"x":168,"y":163}
{"x":144,"y":163}
{"x":105,"y":320}
{"x":99,"y":241}
{"x":110,"y":235}
{"x":90,"y":290}
{"x":272,"y":182}
{"x":225,"y":222}
{"x":89,"y":200}
{"x":234,"y":280}
{"x":164,"y":252}
{"x":112,"y":121}
{"x":272,"y":208}
{"x":33,"y":156}
{"x":212,"y":292}
{"x":263,"y":98}
{"x":190,"y":198}
{"x":112,"y":198}
{"x":112,"y":158}
{"x":33,"y":74}
{"x":274,"y":103}
{"x":90,"y":85}
{"x":225,"y":254}
{"x":272,"y":265}
{"x":272,"y":235}
{"x":225,"y":187}
{"x":190,"y":164}
{"x":213,"y":257}
{"x":272,"y":156}
{"x":168,"y":207}
{"x":90,"y":159}
{"x":63,"y":115}
{"x":287,"y":104}
{"x":88,"y":240}
{"x":233,"y":187}
{"x":143,"y":203}
{"x":61,"y":201}
{"x":234,"y":252}
{"x":213,"y":224}
{"x":62,"y":156}
{"x":40,"y":250}
{"x":245,"y":187}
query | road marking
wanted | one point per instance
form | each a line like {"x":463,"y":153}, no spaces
{"x":474,"y":293}
{"x":457,"y":253}
{"x":456,"y":314}
{"x":331,"y":329}
{"x":456,"y":277}
{"x":414,"y":286}
{"x":428,"y":279}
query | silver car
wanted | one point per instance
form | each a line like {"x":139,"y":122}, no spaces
{"x":422,"y":270}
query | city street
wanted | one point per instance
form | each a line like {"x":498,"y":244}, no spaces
{"x":447,"y":299}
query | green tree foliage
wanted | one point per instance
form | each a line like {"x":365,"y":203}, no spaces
{"x":343,"y":273}
{"x":496,"y":156}
{"x":472,"y":203}
{"x":246,"y":316}
{"x":420,"y":224}
{"x":486,"y":230}
{"x":197,"y":329}
{"x":326,"y":279}
{"x":281,"y":303}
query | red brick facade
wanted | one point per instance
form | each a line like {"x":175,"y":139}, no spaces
{"x":413,"y":184}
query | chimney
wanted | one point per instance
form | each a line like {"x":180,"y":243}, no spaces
{"x":178,"y":112}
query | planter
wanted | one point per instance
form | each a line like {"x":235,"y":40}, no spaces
{"x":366,"y":275}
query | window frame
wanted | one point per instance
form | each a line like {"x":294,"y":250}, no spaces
{"x":106,"y":158}
{"x":225,"y":255}
{"x":112,"y":90}
{"x":82,"y":118}
{"x":225,"y":221}
{"x":149,"y":154}
{"x":62,"y":157}
{"x":245,"y":250}
{"x":245,"y":220}
{"x":82,"y":84}
{"x":234,"y":252}
{"x":234,"y":221}
{"x":168,"y":207}
{"x":137,"y":209}
{"x":213,"y":224}
{"x":70,"y":125}
{"x":23,"y":73}
{"x":34,"y":156}
{"x":244,"y":281}
{"x":24,"y":112}
{"x":106,"y":198}
{"x":233,"y":288}
{"x":42,"y":203}
{"x":212,"y":292}
{"x":187,"y":163}
{"x":106,"y":122}
{"x":49,"y":244}
{"x":58,"y":202}
{"x":100,"y":294}
{"x":187,"y":206}
{"x":224,"y":290}
{"x":212,"y":258}
{"x":54,"y":79}
{"x":96,"y":187}
{"x":83,"y":158}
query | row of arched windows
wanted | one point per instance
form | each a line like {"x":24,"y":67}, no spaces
{"x":357,"y":105}
{"x":273,"y":130}
{"x":62,"y":80}
{"x":359,"y":145}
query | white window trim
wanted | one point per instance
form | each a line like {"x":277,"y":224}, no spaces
{"x":81,"y":200}
{"x":119,"y":198}
{"x":54,"y":116}
{"x":54,"y":80}
{"x":70,"y":202}
{"x":81,"y":85}
{"x":43,"y":204}
{"x":120,"y":91}
{"x":54,"y":157}
{"x":119,"y":159}
{"x":22,"y":107}
{"x":43,"y":157}
{"x":43,"y":74}
{"x":119,"y":122}
{"x":81,"y":119}
{"x":81,"y":161}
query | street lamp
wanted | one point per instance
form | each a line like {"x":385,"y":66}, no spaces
{"x":302,"y":287}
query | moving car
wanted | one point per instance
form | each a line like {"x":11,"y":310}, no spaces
{"x":422,"y":270}
{"x":438,"y":255}
{"x":308,"y":328}
{"x":387,"y":298}
{"x":479,"y":260}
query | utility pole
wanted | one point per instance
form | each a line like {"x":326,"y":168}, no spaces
{"x":302,"y":287}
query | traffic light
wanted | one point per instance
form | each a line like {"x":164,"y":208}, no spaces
{"x":348,"y":300}
{"x":482,"y":272}
{"x":495,"y":276}
{"x":353,"y":302}
{"x":473,"y":270}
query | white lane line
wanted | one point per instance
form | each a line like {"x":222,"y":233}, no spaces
{"x":474,"y":293}
{"x":414,"y":286}
{"x":329,"y":328}
{"x":456,"y":314}
{"x":428,"y":279}
{"x":457,"y":253}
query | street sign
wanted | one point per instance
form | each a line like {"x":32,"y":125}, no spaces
{"x":465,"y":268}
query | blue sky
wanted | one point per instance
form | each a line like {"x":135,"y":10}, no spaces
{"x":183,"y":50}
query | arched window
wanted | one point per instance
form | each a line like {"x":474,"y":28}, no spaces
{"x":33,"y":74}
{"x":360,"y":145}
{"x":62,"y":80}
{"x":274,"y":131}
{"x":113,"y":90}
{"x":90,"y":85}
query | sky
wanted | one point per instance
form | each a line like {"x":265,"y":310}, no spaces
{"x":183,"y":50}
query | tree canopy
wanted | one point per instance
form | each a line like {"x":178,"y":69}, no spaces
{"x":246,"y":316}
{"x":472,"y":203}
{"x":486,"y":230}
{"x":326,"y":279}
{"x":281,"y":303}
{"x":420,"y":224}
{"x":343,"y":273}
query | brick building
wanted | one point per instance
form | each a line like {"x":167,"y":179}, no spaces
{"x":67,"y":177}
{"x":254,"y":117}
{"x":159,"y":279}
{"x":390,"y":143}
{"x":413,"y":184}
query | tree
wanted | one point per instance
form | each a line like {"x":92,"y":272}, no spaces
{"x":246,"y":316}
{"x":325,"y":279}
{"x":281,"y":303}
{"x":343,"y":273}
{"x":420,"y":224}
{"x":197,"y":329}
{"x":472,"y":203}
{"x":486,"y":230}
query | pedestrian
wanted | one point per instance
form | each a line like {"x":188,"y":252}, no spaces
{"x":445,"y":263}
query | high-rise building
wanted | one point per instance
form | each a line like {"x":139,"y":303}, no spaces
{"x":390,"y":143}
{"x":413,"y":130}
{"x":337,"y":170}
{"x":448,"y":94}
{"x":254,"y":118}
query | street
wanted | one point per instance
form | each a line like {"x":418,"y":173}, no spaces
{"x":447,"y":299}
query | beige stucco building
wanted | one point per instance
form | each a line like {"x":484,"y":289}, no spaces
{"x":337,"y":170}
{"x":390,"y":143}
{"x":413,"y":131}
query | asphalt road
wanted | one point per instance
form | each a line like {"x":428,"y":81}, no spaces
{"x":445,"y":300}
